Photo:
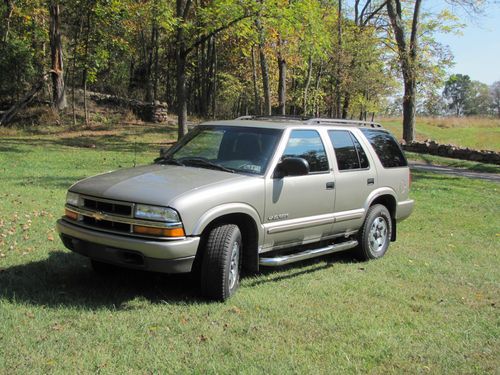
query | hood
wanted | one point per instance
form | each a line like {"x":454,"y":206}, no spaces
{"x":151,"y":184}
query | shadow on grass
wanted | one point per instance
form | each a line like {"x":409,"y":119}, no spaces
{"x":424,"y":175}
{"x":8,"y":149}
{"x":272,"y":275}
{"x":46,"y":182}
{"x":66,"y":279}
{"x":101,"y":143}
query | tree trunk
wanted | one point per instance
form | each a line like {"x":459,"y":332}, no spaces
{"x":281,"y":80}
{"x":181,"y":94}
{"x":58,"y":89}
{"x":12,"y":111}
{"x":150,"y":95}
{"x":9,"y":4}
{"x":265,"y":70}
{"x":316,"y":91}
{"x":345,"y":106}
{"x":214,"y":78}
{"x":306,"y":86}
{"x":256,"y":101}
{"x":182,"y":7}
{"x":85,"y":68}
{"x":339,"y":61}
{"x":407,"y":59}
{"x":282,"y":86}
{"x":76,"y":41}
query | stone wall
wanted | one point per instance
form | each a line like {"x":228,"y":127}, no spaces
{"x":452,"y":151}
{"x":150,"y":112}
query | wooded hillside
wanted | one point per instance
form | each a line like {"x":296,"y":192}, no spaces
{"x":224,"y":58}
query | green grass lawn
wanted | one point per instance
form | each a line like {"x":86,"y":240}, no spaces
{"x":431,"y":305}
{"x":473,"y":132}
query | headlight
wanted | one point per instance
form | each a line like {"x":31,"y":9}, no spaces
{"x":168,"y":215}
{"x":73,"y":199}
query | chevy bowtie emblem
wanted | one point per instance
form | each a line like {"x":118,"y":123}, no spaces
{"x":98,"y":216}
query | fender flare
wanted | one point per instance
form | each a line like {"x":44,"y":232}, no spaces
{"x":227,"y":209}
{"x":378,"y":193}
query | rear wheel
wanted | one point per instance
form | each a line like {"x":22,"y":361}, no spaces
{"x":221,"y":264}
{"x":375,"y":235}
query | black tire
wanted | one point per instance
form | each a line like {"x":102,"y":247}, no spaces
{"x":102,"y":268}
{"x":375,"y":235}
{"x":221,"y":264}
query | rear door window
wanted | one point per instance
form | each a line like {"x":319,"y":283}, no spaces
{"x":348,"y":151}
{"x":386,"y":148}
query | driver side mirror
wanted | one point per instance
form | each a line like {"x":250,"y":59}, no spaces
{"x":291,"y":167}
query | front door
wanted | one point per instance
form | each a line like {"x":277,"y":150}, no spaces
{"x":299,"y":209}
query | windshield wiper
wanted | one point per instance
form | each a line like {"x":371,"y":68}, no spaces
{"x":199,"y":162}
{"x":163,"y":160}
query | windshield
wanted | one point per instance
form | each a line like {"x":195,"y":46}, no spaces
{"x":227,"y":148}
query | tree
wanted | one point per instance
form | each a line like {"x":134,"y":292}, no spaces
{"x":208,"y":21}
{"x":478,"y":100}
{"x":466,"y":97}
{"x":407,"y":54}
{"x":495,"y":97}
{"x":456,"y":92}
{"x":56,"y":52}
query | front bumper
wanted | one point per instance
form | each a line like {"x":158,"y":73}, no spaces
{"x":175,"y":256}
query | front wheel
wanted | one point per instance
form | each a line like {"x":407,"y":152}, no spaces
{"x":375,"y":235}
{"x":221,"y":264}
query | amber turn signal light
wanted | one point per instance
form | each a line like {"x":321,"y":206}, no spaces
{"x":160,"y":232}
{"x":70,"y":214}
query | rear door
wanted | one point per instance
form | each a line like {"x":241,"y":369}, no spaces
{"x":355,"y":179}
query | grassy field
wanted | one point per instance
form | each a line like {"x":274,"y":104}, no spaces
{"x":473,"y":132}
{"x":430,"y":306}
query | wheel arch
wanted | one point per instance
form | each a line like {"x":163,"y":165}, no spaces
{"x":247,"y":220}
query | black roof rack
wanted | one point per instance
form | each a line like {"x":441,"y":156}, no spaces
{"x":313,"y":120}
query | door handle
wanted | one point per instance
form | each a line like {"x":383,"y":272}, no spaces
{"x":330,"y":185}
{"x":370,"y":181}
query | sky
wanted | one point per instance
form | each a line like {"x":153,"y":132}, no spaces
{"x":477,"y":51}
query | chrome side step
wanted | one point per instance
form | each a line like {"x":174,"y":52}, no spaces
{"x":286,"y":259}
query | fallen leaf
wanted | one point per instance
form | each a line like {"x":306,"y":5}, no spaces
{"x":50,"y":237}
{"x":57,"y":327}
{"x":153,"y":328}
{"x":235,"y":310}
{"x":202,"y":338}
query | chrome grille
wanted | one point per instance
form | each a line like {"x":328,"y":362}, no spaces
{"x":107,"y":224}
{"x":110,"y":207}
{"x":114,"y":216}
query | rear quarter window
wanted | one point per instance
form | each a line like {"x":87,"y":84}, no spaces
{"x":386,"y":148}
